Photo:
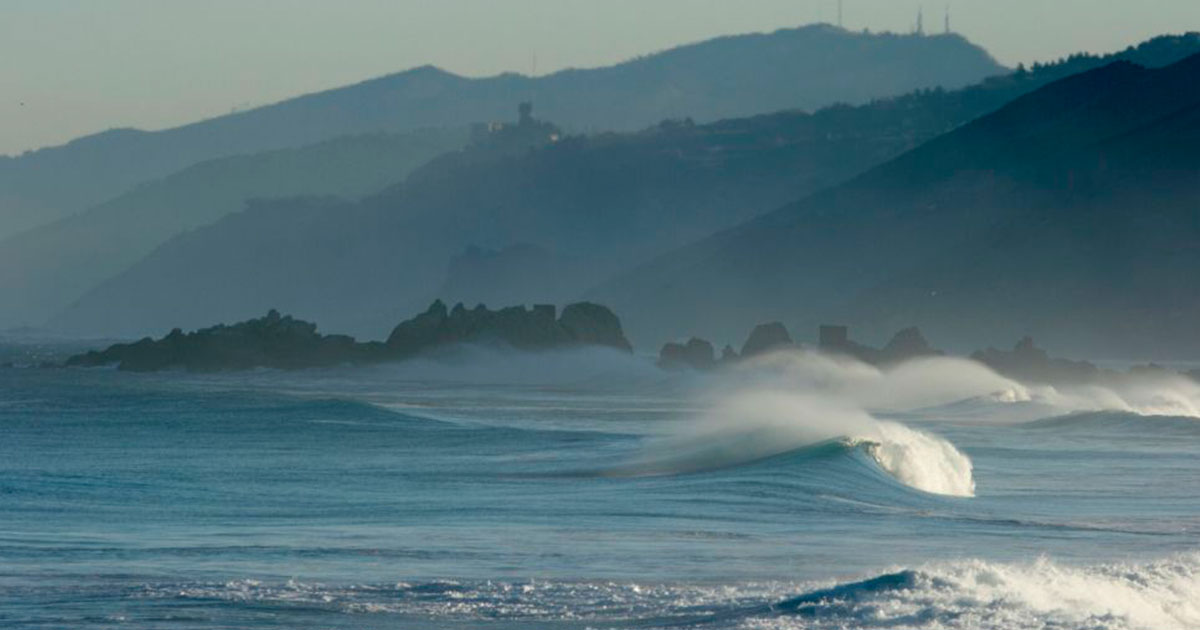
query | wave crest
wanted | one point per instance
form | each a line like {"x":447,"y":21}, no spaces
{"x":983,"y":595}
{"x":754,"y":426}
{"x":923,"y":461}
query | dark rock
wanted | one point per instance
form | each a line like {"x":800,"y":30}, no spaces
{"x":696,"y":354}
{"x":765,"y":338}
{"x":1027,"y":362}
{"x":428,"y":328}
{"x":273,"y":341}
{"x":904,"y":345}
{"x":583,"y":323}
{"x":836,"y":340}
{"x":907,"y":344}
{"x":728,"y":354}
{"x":276,"y":341}
{"x":591,"y":324}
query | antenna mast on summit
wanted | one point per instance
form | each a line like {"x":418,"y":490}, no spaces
{"x":920,"y":20}
{"x":947,"y":19}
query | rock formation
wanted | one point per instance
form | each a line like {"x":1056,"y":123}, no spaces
{"x":904,"y":345}
{"x":765,"y":338}
{"x":1027,"y":362}
{"x":273,"y":341}
{"x":696,"y":354}
{"x":282,"y":342}
{"x":581,"y":324}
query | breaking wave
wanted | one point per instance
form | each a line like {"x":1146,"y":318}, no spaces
{"x":957,"y":385}
{"x":983,"y":595}
{"x":968,"y":594}
{"x":756,"y":426}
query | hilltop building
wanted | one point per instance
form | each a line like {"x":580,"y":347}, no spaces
{"x":527,"y":132}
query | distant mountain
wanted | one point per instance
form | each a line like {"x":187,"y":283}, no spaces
{"x":542,"y":226}
{"x":805,"y":68}
{"x":1069,"y":214}
{"x":45,"y":269}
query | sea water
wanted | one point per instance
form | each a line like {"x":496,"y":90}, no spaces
{"x":589,"y":489}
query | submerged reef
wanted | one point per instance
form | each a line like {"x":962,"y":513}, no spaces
{"x":283,"y":342}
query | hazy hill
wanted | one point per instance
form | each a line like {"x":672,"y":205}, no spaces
{"x":1069,"y":214}
{"x":546,"y":224}
{"x":726,"y":77}
{"x":45,"y":269}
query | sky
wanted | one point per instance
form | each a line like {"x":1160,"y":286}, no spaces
{"x":73,"y":67}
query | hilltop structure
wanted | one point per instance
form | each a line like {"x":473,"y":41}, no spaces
{"x":527,"y":133}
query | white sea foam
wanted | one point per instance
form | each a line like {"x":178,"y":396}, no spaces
{"x":754,"y":424}
{"x":933,"y":382}
{"x":967,"y":594}
{"x":1161,"y":595}
{"x":923,"y":461}
{"x":1157,"y":394}
{"x":911,"y":385}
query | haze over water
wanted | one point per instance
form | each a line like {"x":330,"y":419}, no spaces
{"x":590,"y":489}
{"x":453,"y":347}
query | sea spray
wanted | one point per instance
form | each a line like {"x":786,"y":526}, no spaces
{"x":757,"y":424}
{"x":932,"y":382}
{"x":923,"y":461}
{"x":1157,"y":595}
{"x":914,"y":384}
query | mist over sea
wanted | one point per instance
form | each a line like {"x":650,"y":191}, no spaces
{"x":589,"y":489}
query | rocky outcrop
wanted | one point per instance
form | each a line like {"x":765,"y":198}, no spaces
{"x":904,"y":345}
{"x":272,"y":341}
{"x":907,"y":344}
{"x":581,"y":324}
{"x":766,"y":338}
{"x":587,"y":323}
{"x":1027,"y":362}
{"x":278,"y":341}
{"x":696,"y":354}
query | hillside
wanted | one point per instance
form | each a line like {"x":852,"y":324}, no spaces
{"x":1068,"y":214}
{"x":725,"y":77}
{"x":543,"y":226}
{"x":45,"y":269}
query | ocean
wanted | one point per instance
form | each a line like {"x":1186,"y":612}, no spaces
{"x":589,"y":489}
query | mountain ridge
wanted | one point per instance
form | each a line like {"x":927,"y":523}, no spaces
{"x":732,"y":76}
{"x":896,"y":243}
{"x":612,"y":200}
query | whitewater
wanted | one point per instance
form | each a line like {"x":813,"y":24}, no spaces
{"x":589,"y":489}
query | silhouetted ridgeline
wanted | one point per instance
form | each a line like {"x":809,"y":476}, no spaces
{"x":719,"y":78}
{"x":45,"y":269}
{"x":539,"y":227}
{"x":276,"y":341}
{"x":1068,"y":214}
